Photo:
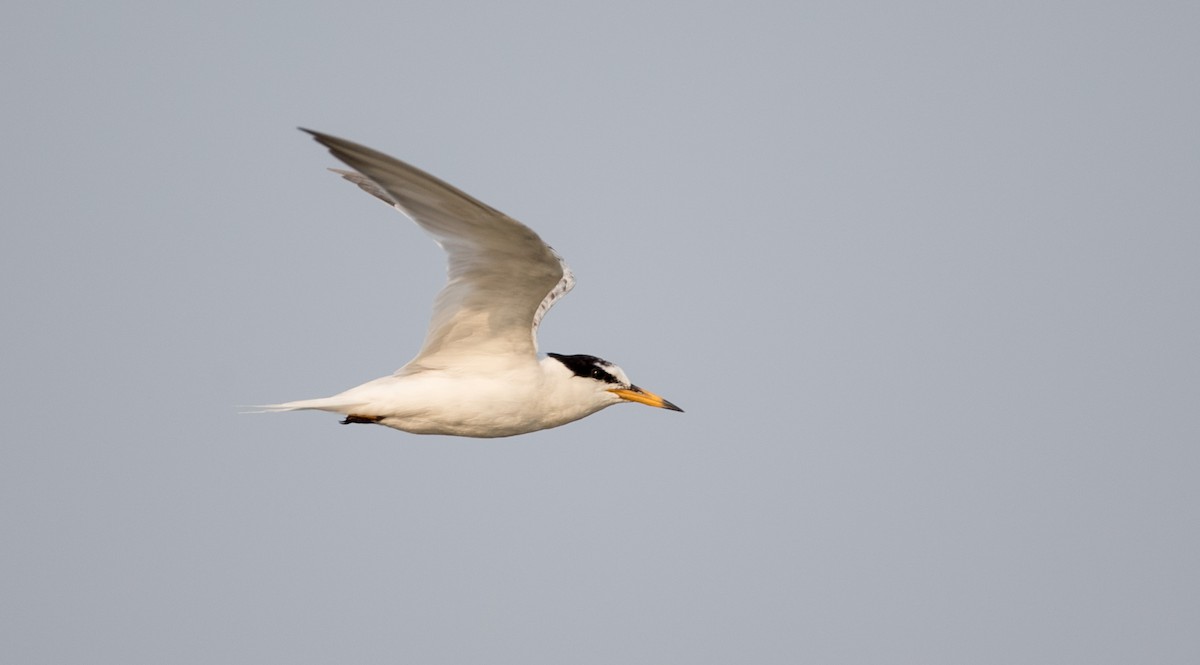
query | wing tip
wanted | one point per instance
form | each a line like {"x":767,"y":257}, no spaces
{"x":320,"y":137}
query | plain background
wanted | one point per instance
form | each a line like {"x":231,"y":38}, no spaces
{"x":923,"y":274}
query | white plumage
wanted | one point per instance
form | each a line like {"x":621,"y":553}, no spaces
{"x":478,"y":372}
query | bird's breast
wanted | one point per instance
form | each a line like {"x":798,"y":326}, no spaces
{"x":491,"y":405}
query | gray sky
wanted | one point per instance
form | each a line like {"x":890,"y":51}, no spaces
{"x":924,"y":276}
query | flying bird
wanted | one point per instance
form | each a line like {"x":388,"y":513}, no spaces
{"x":478,"y":372}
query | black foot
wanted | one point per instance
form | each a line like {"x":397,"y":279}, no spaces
{"x":365,"y":420}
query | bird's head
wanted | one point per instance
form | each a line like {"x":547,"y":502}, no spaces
{"x":609,"y":381}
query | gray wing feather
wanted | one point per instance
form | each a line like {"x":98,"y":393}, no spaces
{"x":502,"y":278}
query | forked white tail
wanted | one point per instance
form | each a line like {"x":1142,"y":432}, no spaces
{"x":331,"y":404}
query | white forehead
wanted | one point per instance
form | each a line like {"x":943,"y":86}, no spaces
{"x":617,"y":372}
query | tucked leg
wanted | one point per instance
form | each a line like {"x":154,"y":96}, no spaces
{"x":367,"y":420}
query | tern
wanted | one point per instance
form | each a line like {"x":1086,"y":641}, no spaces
{"x":478,"y":372}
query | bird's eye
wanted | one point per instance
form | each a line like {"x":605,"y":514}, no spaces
{"x":597,"y":373}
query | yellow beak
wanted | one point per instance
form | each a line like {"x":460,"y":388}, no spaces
{"x":635,"y":394}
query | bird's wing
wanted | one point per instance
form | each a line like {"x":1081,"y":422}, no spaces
{"x":502,"y":278}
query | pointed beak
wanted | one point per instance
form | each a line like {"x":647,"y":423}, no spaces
{"x":635,"y":394}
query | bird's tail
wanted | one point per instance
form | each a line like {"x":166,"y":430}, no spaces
{"x":331,"y":404}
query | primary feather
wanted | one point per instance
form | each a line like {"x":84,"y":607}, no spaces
{"x":502,"y":277}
